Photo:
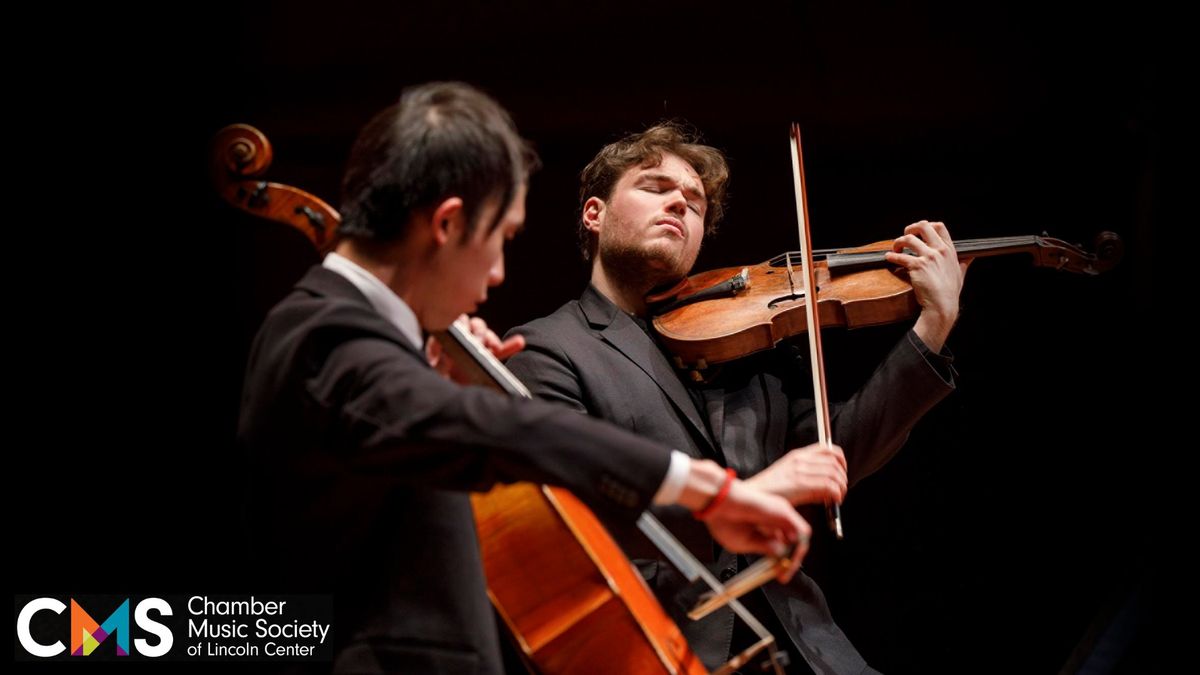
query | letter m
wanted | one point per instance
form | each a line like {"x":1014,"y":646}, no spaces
{"x":86,"y":634}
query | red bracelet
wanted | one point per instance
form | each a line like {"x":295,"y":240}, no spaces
{"x":707,"y":511}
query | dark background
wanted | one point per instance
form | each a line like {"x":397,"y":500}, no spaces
{"x":1026,"y":511}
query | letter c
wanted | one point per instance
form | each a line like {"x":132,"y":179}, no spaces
{"x":33,"y":646}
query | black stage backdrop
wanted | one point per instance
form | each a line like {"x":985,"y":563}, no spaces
{"x":1023,"y":516}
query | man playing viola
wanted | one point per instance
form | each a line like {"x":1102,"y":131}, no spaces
{"x":647,"y":201}
{"x":362,"y":453}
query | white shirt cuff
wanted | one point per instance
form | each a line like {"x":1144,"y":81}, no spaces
{"x":675,"y":480}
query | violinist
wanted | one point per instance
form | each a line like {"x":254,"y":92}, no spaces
{"x":646,"y":203}
{"x":362,"y":453}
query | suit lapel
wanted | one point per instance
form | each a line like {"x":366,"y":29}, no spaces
{"x":619,"y":331}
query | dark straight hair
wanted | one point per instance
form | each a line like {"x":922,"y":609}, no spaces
{"x":441,"y":140}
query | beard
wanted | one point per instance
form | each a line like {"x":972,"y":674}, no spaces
{"x":640,"y":264}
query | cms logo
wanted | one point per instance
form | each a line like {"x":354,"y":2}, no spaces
{"x":87,"y":634}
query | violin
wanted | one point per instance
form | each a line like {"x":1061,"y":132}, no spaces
{"x":725,"y":314}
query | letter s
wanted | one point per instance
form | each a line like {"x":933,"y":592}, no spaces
{"x":165,"y":638}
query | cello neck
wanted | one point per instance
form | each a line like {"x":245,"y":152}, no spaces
{"x":480,"y":365}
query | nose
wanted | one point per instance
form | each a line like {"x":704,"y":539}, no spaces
{"x":496,"y":273}
{"x":676,"y":202}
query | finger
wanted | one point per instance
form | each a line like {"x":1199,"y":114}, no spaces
{"x":943,"y":232}
{"x":916,"y":229}
{"x":478,"y":327}
{"x":828,"y":449}
{"x":783,"y":550}
{"x":902,"y":260}
{"x":912,"y":259}
{"x":913,"y":243}
{"x":829,"y":491}
{"x":509,"y":347}
{"x":433,"y":351}
{"x":926,"y":231}
{"x":933,"y":233}
{"x":832,"y":466}
{"x":443,"y":363}
{"x":765,"y":541}
{"x":777,"y":513}
{"x":837,"y":482}
{"x":837,"y":461}
{"x":841,"y":456}
{"x":799,"y":550}
{"x":486,"y":336}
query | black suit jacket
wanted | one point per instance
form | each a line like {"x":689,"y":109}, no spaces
{"x":596,"y":359}
{"x":360,"y":456}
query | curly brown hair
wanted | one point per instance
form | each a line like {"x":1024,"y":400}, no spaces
{"x":646,"y":149}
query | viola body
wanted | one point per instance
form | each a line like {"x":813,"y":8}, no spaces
{"x":771,"y":309}
{"x":711,"y":319}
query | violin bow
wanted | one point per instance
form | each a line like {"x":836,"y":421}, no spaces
{"x":809,"y":290}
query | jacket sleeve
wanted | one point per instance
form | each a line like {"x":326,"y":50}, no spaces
{"x":329,"y":390}
{"x":874,"y":423}
{"x":382,"y":410}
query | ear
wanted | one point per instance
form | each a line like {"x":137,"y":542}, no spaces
{"x":593,"y":214}
{"x":448,"y":220}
